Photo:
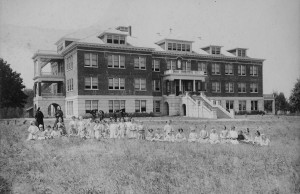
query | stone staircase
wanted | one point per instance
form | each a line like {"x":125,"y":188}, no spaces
{"x":200,"y":106}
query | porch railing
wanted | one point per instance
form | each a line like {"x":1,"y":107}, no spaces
{"x":44,"y":94}
{"x":184,"y":72}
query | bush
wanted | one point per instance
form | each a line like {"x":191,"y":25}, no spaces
{"x":87,"y":116}
{"x":135,"y":114}
{"x":253,"y":112}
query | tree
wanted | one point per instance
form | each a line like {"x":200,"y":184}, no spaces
{"x":11,"y":94}
{"x":281,"y":103}
{"x":295,"y":97}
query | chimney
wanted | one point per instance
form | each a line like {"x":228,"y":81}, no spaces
{"x":129,"y":30}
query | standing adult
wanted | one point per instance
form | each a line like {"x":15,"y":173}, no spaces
{"x":39,"y":117}
{"x":58,"y":113}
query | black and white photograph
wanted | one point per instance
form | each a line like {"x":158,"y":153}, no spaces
{"x":149,"y":96}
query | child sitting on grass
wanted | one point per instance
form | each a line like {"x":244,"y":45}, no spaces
{"x":214,"y":137}
{"x":55,"y":133}
{"x":33,"y":129}
{"x":233,"y":135}
{"x":170,"y":137}
{"x":158,"y":136}
{"x":224,"y":135}
{"x":60,"y":126}
{"x":48,"y":131}
{"x":193,"y":134}
{"x":264,"y":140}
{"x":150,"y":135}
{"x":203,"y":136}
{"x":41,"y":133}
{"x":257,"y":139}
{"x":180,"y":137}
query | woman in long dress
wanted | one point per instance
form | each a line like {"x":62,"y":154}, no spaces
{"x":39,"y":117}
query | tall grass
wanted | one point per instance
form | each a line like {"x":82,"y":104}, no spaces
{"x":72,"y":165}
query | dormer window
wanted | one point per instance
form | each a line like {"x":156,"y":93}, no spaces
{"x":241,"y":53}
{"x":115,"y":39}
{"x":179,"y":47}
{"x":215,"y":50}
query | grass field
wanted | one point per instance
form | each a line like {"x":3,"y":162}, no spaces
{"x":72,"y":165}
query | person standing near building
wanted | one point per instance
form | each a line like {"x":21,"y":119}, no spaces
{"x":39,"y":117}
{"x":59,"y":113}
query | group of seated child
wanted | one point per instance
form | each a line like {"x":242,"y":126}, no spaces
{"x":129,"y":128}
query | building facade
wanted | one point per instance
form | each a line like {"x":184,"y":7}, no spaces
{"x":111,"y":72}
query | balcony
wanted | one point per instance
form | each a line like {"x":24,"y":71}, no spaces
{"x":184,"y":75}
{"x":49,"y":76}
{"x":51,"y":95}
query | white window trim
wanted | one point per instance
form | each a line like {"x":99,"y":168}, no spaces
{"x":229,"y":83}
{"x":140,"y":84}
{"x":69,"y":84}
{"x":254,"y":66}
{"x":154,"y":83}
{"x":214,"y":67}
{"x":140,"y":109}
{"x":241,"y":88}
{"x":91,"y":104}
{"x":158,"y":63}
{"x":90,"y":66}
{"x":113,"y":104}
{"x":68,"y":108}
{"x":69,"y":58}
{"x":241,"y":70}
{"x":251,"y":88}
{"x":202,"y":64}
{"x":91,"y":79}
{"x":219,"y":88}
{"x":154,"y":106}
{"x":141,"y":63}
{"x":119,"y":65}
{"x":119,"y":82}
{"x":229,"y":65}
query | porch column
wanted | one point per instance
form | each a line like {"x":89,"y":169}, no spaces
{"x":39,"y":88}
{"x":273,"y":107}
{"x":180,"y":89}
{"x":194,"y":86}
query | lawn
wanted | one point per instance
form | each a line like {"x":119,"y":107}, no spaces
{"x":72,"y":165}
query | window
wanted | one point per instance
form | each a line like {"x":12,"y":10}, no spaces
{"x":168,"y":86}
{"x":253,"y":70}
{"x":70,"y":108}
{"x":242,"y":105}
{"x":140,"y":63}
{"x":179,"y":47}
{"x":241,"y":87}
{"x":254,"y":105}
{"x":215,"y":50}
{"x":229,"y":104}
{"x":155,"y":65}
{"x":216,"y":87}
{"x":253,"y":88}
{"x":171,"y":65}
{"x":186,"y":65}
{"x":156,"y":85}
{"x":241,"y":70}
{"x":116,"y":105}
{"x":215,"y":69}
{"x":91,"y":105}
{"x":228,"y":69}
{"x":91,"y":83}
{"x":70,"y":85}
{"x":116,"y":83}
{"x":140,"y":106}
{"x":229,"y":87}
{"x":115,"y":39}
{"x":140,"y":84}
{"x":90,"y":60}
{"x":69,"y":62}
{"x":241,"y":52}
{"x":156,"y":106}
{"x":109,"y":39}
{"x":116,"y":61}
{"x":202,"y":67}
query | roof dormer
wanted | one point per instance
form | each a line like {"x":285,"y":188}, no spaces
{"x":175,"y":44}
{"x":212,"y":49}
{"x":114,"y":36}
{"x":63,"y":43}
{"x":238,"y":52}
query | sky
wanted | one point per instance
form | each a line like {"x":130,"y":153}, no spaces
{"x":270,"y":29}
